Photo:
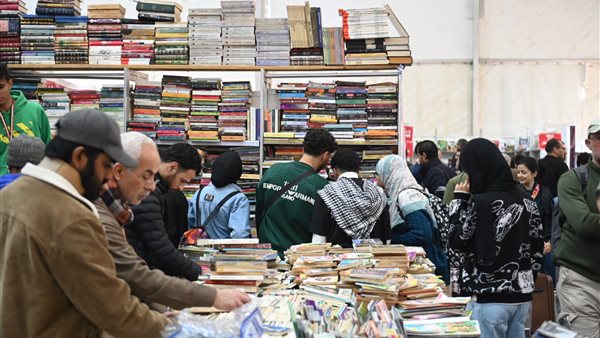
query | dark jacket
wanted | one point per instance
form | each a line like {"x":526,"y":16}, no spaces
{"x":176,"y":210}
{"x":545,"y":205}
{"x":435,"y":176}
{"x":147,"y":235}
{"x":551,"y":168}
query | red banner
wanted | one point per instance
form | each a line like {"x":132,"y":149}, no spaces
{"x":408,"y":140}
{"x":543,"y":138}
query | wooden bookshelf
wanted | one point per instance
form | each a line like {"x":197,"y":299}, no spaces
{"x":209,"y":144}
{"x":294,"y":142}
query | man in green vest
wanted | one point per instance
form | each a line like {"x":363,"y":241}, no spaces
{"x":283,"y":219}
{"x":18,"y":117}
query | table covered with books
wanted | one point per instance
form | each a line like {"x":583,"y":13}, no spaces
{"x":320,"y":290}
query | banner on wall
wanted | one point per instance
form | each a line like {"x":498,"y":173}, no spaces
{"x":409,"y":141}
{"x":543,"y":138}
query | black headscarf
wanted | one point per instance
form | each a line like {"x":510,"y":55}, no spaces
{"x":226,"y":169}
{"x":486,"y":167}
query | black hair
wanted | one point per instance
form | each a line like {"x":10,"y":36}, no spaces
{"x":530,"y":163}
{"x":184,"y":154}
{"x":460,"y":143}
{"x":4,"y":73}
{"x":61,"y":149}
{"x":318,"y":141}
{"x":552,"y":144}
{"x":429,"y":148}
{"x":417,"y":148}
{"x":514,"y":161}
{"x":346,"y":160}
{"x":583,"y":159}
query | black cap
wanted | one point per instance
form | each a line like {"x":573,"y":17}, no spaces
{"x":93,"y":128}
{"x":226,"y":169}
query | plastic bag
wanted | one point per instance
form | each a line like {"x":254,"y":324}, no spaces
{"x":243,"y":322}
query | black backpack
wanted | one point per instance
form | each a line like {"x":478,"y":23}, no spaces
{"x":583,"y":175}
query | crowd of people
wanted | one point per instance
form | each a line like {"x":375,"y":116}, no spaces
{"x":91,"y":221}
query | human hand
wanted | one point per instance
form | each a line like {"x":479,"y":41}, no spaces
{"x":228,"y":300}
{"x":463,"y":187}
{"x":547,"y":247}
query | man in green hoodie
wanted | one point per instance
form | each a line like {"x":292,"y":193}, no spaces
{"x":18,"y":117}
{"x":577,"y":252}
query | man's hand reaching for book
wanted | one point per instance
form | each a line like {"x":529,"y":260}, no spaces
{"x":230,"y":299}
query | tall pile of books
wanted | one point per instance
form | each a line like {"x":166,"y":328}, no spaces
{"x":10,"y":29}
{"x":272,"y":42}
{"x":398,"y":50}
{"x":293,"y":107}
{"x":364,"y":32}
{"x":366,"y":52}
{"x":382,"y":110}
{"x":111,"y":102}
{"x":333,"y":46}
{"x":58,"y":7}
{"x":233,"y":110}
{"x":369,"y":160}
{"x":12,"y":8}
{"x":146,"y":108}
{"x":305,"y":35}
{"x":71,"y":39}
{"x":84,"y":99}
{"x":204,"y":112}
{"x":250,"y":175}
{"x":204,"y":36}
{"x":174,"y":108}
{"x":352,"y":103}
{"x":106,"y":41}
{"x":238,"y":32}
{"x":106,"y":11}
{"x":27,"y":86}
{"x":54,"y":100}
{"x":154,"y":11}
{"x":138,"y":42}
{"x":322,"y":106}
{"x":37,"y":39}
{"x":171,"y":43}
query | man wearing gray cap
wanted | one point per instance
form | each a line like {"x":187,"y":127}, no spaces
{"x":22,"y":150}
{"x":58,"y":278}
{"x":577,"y":250}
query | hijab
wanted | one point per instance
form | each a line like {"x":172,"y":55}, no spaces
{"x":226,"y":169}
{"x":486,"y":167}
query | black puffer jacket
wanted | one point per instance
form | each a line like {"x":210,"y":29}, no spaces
{"x":436,"y":176}
{"x":149,"y":238}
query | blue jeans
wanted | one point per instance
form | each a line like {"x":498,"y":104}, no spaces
{"x":501,"y":320}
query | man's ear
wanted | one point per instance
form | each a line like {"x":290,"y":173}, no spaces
{"x":118,"y":170}
{"x":173,"y":167}
{"x":588,"y":144}
{"x":79,"y":158}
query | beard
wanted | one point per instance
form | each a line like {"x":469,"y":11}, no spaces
{"x":91,"y":184}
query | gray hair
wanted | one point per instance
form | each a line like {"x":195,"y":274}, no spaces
{"x":133,"y":143}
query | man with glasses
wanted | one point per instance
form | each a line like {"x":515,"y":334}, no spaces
{"x":129,"y":187}
{"x":577,"y":250}
{"x":147,"y":233}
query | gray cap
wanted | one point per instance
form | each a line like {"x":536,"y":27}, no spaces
{"x":25,"y":149}
{"x":594,"y":127}
{"x":93,"y":128}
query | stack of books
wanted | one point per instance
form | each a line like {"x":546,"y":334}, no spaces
{"x":365,"y":23}
{"x":352,"y":107}
{"x":378,"y":321}
{"x":106,"y":11}
{"x":374,"y":283}
{"x":37,"y":39}
{"x":111,"y":103}
{"x":238,"y":32}
{"x":387,"y":256}
{"x":138,"y":42}
{"x":333,"y":46}
{"x":84,"y":99}
{"x":305,"y":35}
{"x":12,"y":8}
{"x":366,"y":51}
{"x":316,"y":270}
{"x":369,"y":160}
{"x":233,"y":110}
{"x":397,"y":48}
{"x":171,"y":43}
{"x":441,"y":306}
{"x":158,"y":10}
{"x":293,"y":106}
{"x":322,"y":104}
{"x":146,"y":108}
{"x":174,"y":108}
{"x":54,"y":100}
{"x":206,"y":47}
{"x":206,"y":95}
{"x":272,"y":42}
{"x":10,"y":43}
{"x":58,"y":7}
{"x":382,"y":110}
{"x":306,"y":250}
{"x":105,"y":41}
{"x":250,"y":174}
{"x":27,"y":86}
{"x":71,"y":40}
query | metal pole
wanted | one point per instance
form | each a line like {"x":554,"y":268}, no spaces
{"x":126,"y":105}
{"x":475,"y":120}
{"x":401,"y":140}
{"x":263,"y":111}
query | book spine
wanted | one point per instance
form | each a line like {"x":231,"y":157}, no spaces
{"x":152,"y":7}
{"x":319,"y":27}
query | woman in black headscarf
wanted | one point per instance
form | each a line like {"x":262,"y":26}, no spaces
{"x":498,"y":228}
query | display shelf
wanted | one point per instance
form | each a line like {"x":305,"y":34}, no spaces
{"x":212,"y":144}
{"x":392,"y":143}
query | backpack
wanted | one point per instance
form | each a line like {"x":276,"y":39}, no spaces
{"x":583,"y":175}
{"x":441,"y":216}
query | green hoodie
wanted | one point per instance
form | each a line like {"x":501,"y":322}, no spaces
{"x":30,"y":119}
{"x":580,"y":220}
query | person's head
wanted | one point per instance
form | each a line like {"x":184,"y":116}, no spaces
{"x":180,"y":163}
{"x":460,"y":144}
{"x":527,"y":171}
{"x":345,"y":160}
{"x":583,"y":159}
{"x":22,"y":150}
{"x":320,"y":145}
{"x":515,"y":160}
{"x":593,"y":140}
{"x":556,"y":148}
{"x":226,"y":169}
{"x":89,"y":141}
{"x":137,"y":183}
{"x":486,"y":167}
{"x":391,"y":172}
{"x":427,"y":151}
{"x":203,"y":155}
{"x":6,"y":84}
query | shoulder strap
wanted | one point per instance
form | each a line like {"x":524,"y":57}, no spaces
{"x":583,"y":175}
{"x":197,"y":206}
{"x":286,"y":188}
{"x":218,"y":207}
